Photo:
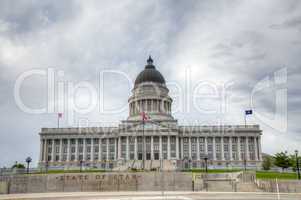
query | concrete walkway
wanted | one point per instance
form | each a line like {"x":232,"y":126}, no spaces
{"x":155,"y":196}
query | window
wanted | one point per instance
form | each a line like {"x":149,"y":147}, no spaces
{"x":96,"y":141}
{"x":88,"y":141}
{"x":72,"y":141}
{"x":57,"y":149}
{"x":80,"y":141}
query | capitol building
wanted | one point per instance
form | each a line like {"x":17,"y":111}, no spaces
{"x":151,"y":138}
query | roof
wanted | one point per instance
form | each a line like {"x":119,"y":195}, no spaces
{"x":150,"y":74}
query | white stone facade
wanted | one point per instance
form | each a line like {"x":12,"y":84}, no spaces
{"x":158,"y":142}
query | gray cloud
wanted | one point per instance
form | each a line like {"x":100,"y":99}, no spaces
{"x":220,"y":42}
{"x":294,"y":22}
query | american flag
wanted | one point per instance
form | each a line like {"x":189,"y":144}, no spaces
{"x":144,"y":116}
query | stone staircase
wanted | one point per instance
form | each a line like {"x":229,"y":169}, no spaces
{"x":169,"y":165}
{"x":164,"y":165}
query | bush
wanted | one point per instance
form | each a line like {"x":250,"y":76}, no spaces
{"x":267,"y":163}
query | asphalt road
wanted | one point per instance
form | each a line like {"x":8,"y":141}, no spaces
{"x":154,"y":196}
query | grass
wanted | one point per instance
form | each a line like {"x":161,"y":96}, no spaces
{"x":213,"y":170}
{"x":274,"y":175}
{"x":60,"y":171}
{"x":259,"y":174}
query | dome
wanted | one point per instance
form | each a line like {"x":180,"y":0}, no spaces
{"x":150,"y":74}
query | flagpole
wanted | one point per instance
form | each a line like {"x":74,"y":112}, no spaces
{"x":143,"y":162}
{"x":58,"y":121}
{"x":245,"y":120}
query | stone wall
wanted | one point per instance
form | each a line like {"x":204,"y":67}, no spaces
{"x":151,"y":181}
{"x":282,"y":186}
{"x":143,"y":181}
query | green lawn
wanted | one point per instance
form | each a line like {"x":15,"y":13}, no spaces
{"x":274,"y":175}
{"x":212,"y":170}
{"x":70,"y":171}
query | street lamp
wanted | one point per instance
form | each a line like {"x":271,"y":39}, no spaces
{"x":206,"y":164}
{"x":46,"y":166}
{"x":297,"y":164}
{"x":28,"y":160}
{"x":80,"y":165}
{"x":245,"y":164}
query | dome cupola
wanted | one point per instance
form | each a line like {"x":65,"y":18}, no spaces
{"x":150,"y":95}
{"x":150,"y":74}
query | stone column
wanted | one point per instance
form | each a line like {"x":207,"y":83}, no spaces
{"x":136,"y":149}
{"x":182,"y":146}
{"x":206,"y":146}
{"x":198,"y":148}
{"x":177,"y":148}
{"x":255,"y":148}
{"x":152,"y":147}
{"x":99,"y":150}
{"x":127,"y":148}
{"x":76,"y":149}
{"x":214,"y":148}
{"x":230,"y":148}
{"x":247,"y":154}
{"x":238,"y":148}
{"x":84,"y":149}
{"x":68,"y":150}
{"x":92,"y":149}
{"x":41,"y":150}
{"x":189,"y":147}
{"x":116,"y":149}
{"x":53,"y":151}
{"x":259,"y":148}
{"x":45,"y":150}
{"x":107,"y":140}
{"x":61,"y":150}
{"x":119,"y":147}
{"x":222,"y":149}
{"x":168,"y":147}
{"x":160,"y":147}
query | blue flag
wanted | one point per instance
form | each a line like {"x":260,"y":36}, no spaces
{"x":249,"y":112}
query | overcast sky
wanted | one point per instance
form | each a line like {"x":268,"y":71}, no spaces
{"x":250,"y":48}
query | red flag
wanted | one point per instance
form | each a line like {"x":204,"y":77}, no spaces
{"x":60,"y":115}
{"x":144,"y":116}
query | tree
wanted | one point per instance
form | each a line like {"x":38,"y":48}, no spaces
{"x":282,"y":160}
{"x":18,"y":166}
{"x":293,"y":162}
{"x":267,"y":163}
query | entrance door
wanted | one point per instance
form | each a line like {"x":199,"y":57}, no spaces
{"x":139,"y":156}
{"x":156,"y":156}
{"x":148,"y":156}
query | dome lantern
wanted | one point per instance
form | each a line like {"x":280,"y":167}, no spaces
{"x":150,"y":61}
